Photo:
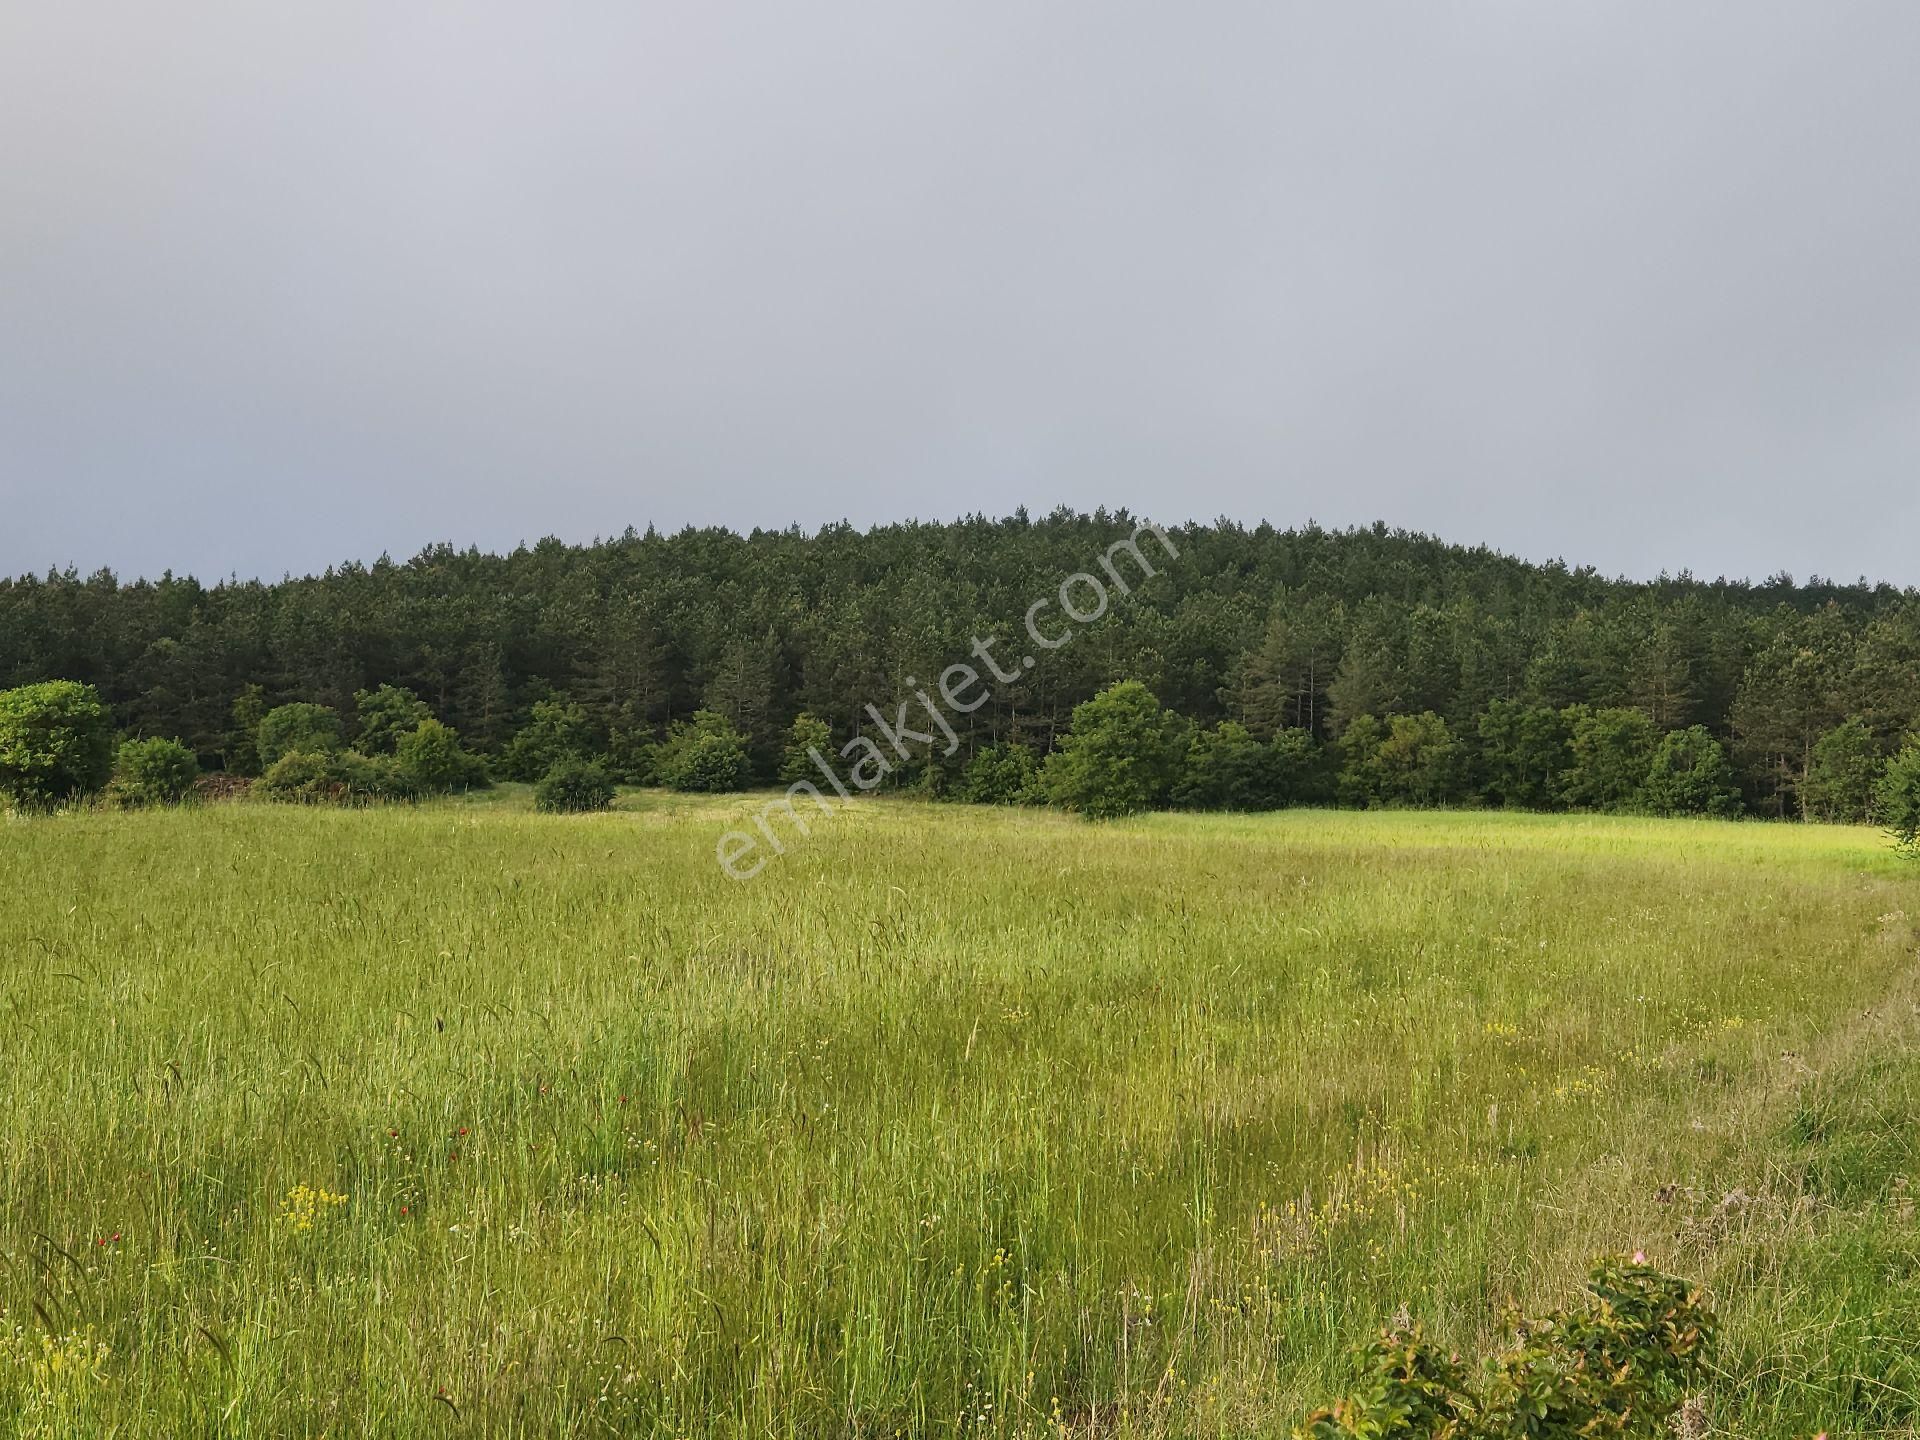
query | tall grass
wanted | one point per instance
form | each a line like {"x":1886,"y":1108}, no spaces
{"x":466,"y":1120}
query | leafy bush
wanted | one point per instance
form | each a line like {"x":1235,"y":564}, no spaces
{"x":432,"y":759}
{"x":556,"y":730}
{"x":573,"y":787}
{"x":808,"y":733}
{"x":56,"y":742}
{"x":309,"y":729}
{"x":1410,"y":760}
{"x":153,"y":772}
{"x":704,"y":754}
{"x":1844,"y":774}
{"x":386,"y":716}
{"x":1609,"y":756}
{"x":1002,"y":775}
{"x":1691,"y":775}
{"x":336,"y":777}
{"x":1122,"y":754}
{"x":1897,"y":800}
{"x":1227,"y":769}
{"x":1523,"y":750}
{"x":1618,"y":1366}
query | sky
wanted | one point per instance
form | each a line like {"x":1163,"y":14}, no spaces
{"x":1636,"y":285}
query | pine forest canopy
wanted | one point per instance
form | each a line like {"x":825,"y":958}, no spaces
{"x":1304,"y":629}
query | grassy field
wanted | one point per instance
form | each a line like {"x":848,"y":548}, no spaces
{"x":463,"y":1120}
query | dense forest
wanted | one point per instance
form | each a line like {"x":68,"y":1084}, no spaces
{"x":1303,"y":630}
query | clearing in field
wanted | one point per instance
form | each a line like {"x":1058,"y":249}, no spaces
{"x":464,"y":1120}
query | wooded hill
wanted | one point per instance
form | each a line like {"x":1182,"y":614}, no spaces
{"x":1275,"y":629}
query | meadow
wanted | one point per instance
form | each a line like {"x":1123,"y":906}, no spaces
{"x":458,"y":1119}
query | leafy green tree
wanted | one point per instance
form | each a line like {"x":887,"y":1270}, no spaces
{"x":240,"y":746}
{"x":1610,"y":753}
{"x":1118,"y":757}
{"x":153,"y":772}
{"x":1298,"y":766}
{"x":385,"y":715}
{"x":807,"y":736}
{"x":334,"y":777}
{"x":1897,"y":798}
{"x":1846,"y":768}
{"x":308,"y":729}
{"x":705,"y":754}
{"x":1408,"y":760}
{"x":56,"y":742}
{"x":1002,"y":775}
{"x":573,"y":787}
{"x":1523,"y":751}
{"x":556,"y":730}
{"x":1691,"y":775}
{"x":432,"y":758}
{"x":1227,"y":769}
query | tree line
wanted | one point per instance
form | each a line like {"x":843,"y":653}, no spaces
{"x":1399,"y":668}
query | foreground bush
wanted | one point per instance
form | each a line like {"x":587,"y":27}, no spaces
{"x":309,"y":729}
{"x":1123,"y":754}
{"x":705,"y":755}
{"x":153,"y":772}
{"x":573,"y":787}
{"x":1897,"y":800}
{"x":1619,"y":1365}
{"x":56,"y":742}
{"x":337,"y":777}
{"x":1002,"y":775}
{"x":431,"y":759}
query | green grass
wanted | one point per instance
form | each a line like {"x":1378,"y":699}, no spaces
{"x":950,"y":1122}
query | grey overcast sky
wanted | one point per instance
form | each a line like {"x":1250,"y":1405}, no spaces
{"x":1633,"y":284}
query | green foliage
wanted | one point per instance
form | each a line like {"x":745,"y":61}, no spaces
{"x":1619,"y":1365}
{"x":309,"y":729}
{"x":704,"y":755}
{"x":240,"y":743}
{"x":1002,"y":775}
{"x":56,"y":742}
{"x":385,"y":715}
{"x":1610,"y":754}
{"x":433,"y":761}
{"x":1409,"y":760}
{"x":573,"y":787}
{"x":1120,"y":755}
{"x":556,"y":730}
{"x":153,"y":772}
{"x":1523,"y":750}
{"x":807,"y":735}
{"x":1690,"y":775}
{"x":1226,"y":768}
{"x":1897,"y":799}
{"x":1846,"y":769}
{"x":335,"y":777}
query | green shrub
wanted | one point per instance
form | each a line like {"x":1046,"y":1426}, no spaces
{"x":1002,"y":775}
{"x":1897,"y":799}
{"x":337,"y":777}
{"x":153,"y":772}
{"x":1122,"y":754}
{"x":556,"y":730}
{"x":1620,"y":1365}
{"x":309,"y":729}
{"x":807,"y":735}
{"x":386,"y":716}
{"x":704,"y":754}
{"x":433,"y":761}
{"x":573,"y":787}
{"x":1609,"y":756}
{"x":56,"y":742}
{"x":1691,"y":775}
{"x":1409,"y":760}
